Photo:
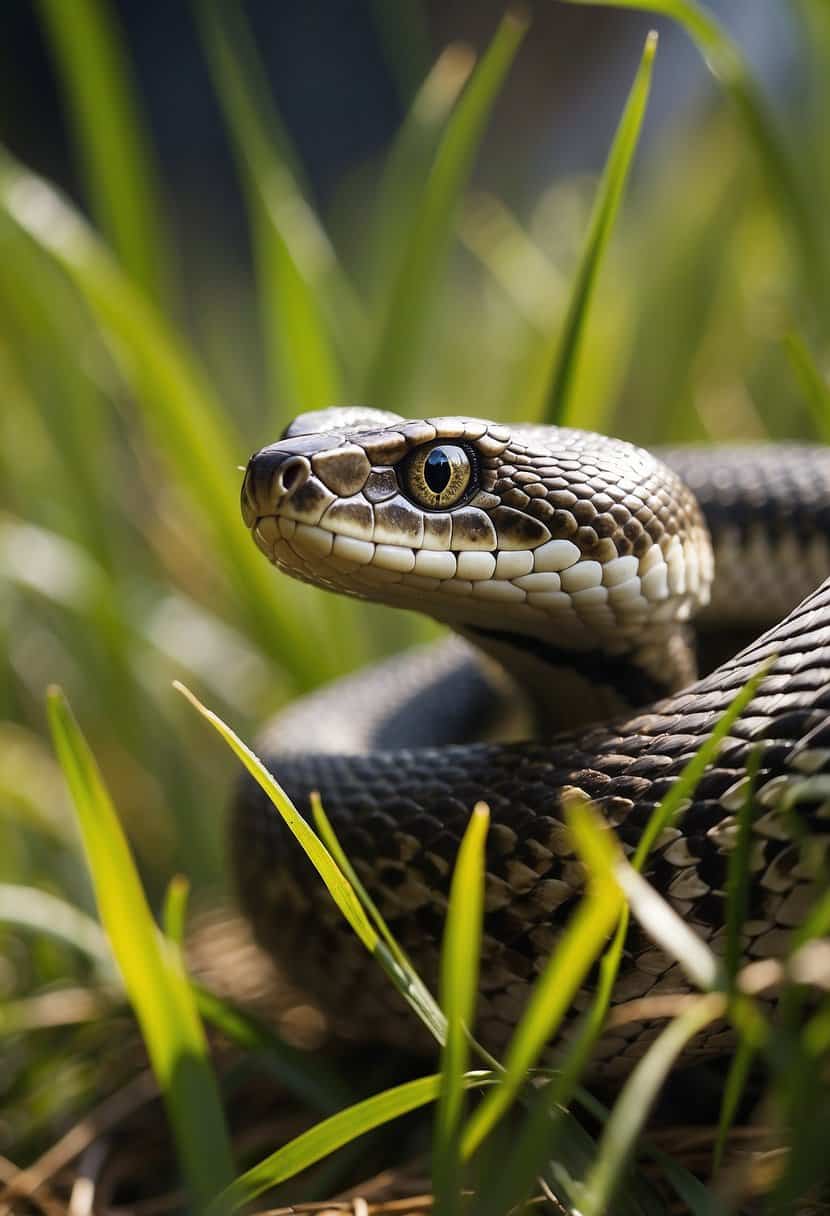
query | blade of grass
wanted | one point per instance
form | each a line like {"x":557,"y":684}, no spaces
{"x":634,"y":1104}
{"x":699,"y":1199}
{"x":668,"y":930}
{"x":329,"y":838}
{"x":154,"y":979}
{"x":292,"y":254}
{"x":733,"y":1089}
{"x":459,"y":981}
{"x":409,"y":160}
{"x":338,"y":886}
{"x":738,"y":876}
{"x":40,"y":912}
{"x":178,"y":407}
{"x":564,"y":972}
{"x":407,"y":308}
{"x":813,"y":383}
{"x":109,"y":133}
{"x":606,"y":206}
{"x":421,"y":998}
{"x":685,"y":785}
{"x":344,"y":895}
{"x":737,"y":908}
{"x":324,"y":1138}
{"x":726,"y":62}
{"x":174,"y":914}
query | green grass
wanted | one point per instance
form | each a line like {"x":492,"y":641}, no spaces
{"x":690,"y":304}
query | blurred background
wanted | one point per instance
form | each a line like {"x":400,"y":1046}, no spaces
{"x":233,"y":244}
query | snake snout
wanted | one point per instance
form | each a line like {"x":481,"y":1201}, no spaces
{"x":271,"y":477}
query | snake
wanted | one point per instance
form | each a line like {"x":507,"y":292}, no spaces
{"x":585,"y":583}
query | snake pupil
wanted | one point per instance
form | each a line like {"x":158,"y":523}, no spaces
{"x":437,"y":470}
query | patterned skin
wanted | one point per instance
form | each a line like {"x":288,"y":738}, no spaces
{"x":576,"y":562}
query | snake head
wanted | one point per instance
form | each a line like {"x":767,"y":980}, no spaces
{"x":547,"y":533}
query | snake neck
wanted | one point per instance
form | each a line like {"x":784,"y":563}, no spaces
{"x":566,"y":688}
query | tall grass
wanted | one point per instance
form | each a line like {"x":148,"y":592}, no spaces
{"x":124,"y":565}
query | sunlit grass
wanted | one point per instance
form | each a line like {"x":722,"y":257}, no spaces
{"x":124,"y":565}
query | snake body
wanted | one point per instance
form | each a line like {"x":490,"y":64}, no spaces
{"x":569,"y":566}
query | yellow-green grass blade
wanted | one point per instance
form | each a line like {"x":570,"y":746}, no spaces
{"x":635,"y":1102}
{"x":409,"y":160}
{"x":337,"y":884}
{"x":153,"y":976}
{"x":109,"y":134}
{"x":324,"y":1138}
{"x":559,"y":407}
{"x":405,"y":313}
{"x":178,"y":408}
{"x":290,"y":249}
{"x":671,"y":805}
{"x":726,"y":61}
{"x":174,"y":913}
{"x":814,"y":385}
{"x":567,"y":967}
{"x":405,"y":976}
{"x":329,"y":838}
{"x":459,"y":983}
{"x":339,"y":887}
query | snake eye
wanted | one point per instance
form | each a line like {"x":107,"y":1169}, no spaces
{"x":437,"y":476}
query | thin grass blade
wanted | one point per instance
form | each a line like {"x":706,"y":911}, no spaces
{"x":813,"y":383}
{"x":727,"y":63}
{"x":155,"y":981}
{"x":338,"y":886}
{"x":329,"y":838}
{"x":420,"y":997}
{"x":39,"y":912}
{"x":292,"y":254}
{"x":409,"y":160}
{"x":635,"y":1102}
{"x":344,"y":895}
{"x":459,"y":984}
{"x":121,"y":177}
{"x":738,"y":875}
{"x":733,"y":1090}
{"x":671,"y":805}
{"x":406,"y":311}
{"x":174,"y":913}
{"x":553,"y":992}
{"x":324,"y":1138}
{"x":609,"y":196}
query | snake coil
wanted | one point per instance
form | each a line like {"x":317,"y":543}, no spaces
{"x":570,"y":567}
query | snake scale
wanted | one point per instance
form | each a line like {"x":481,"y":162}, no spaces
{"x":569,"y":567}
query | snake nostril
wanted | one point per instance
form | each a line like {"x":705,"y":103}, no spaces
{"x":292,"y":474}
{"x":271,"y":477}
